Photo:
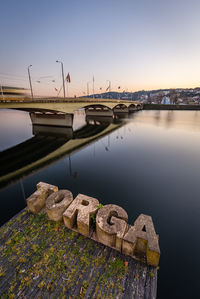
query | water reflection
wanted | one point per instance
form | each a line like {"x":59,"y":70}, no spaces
{"x":151,"y":165}
{"x":50,"y":143}
{"x":180,"y":120}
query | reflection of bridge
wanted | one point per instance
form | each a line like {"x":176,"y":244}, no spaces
{"x":48,"y":144}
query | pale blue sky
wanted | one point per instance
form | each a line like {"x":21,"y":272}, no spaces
{"x":142,"y":44}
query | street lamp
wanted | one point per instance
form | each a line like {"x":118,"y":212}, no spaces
{"x":2,"y":92}
{"x":30,"y":80}
{"x":62,"y":76}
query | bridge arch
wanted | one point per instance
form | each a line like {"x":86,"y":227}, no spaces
{"x":98,"y":109}
{"x":121,"y":107}
{"x":132,"y":107}
{"x":139,"y":106}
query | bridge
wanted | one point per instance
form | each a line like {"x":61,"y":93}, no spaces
{"x":54,"y":134}
{"x":60,"y":113}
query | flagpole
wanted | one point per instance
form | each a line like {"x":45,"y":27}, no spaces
{"x":62,"y":69}
{"x":68,"y":80}
{"x":88,"y":88}
{"x":67,"y":90}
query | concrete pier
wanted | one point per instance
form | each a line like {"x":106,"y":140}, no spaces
{"x":51,"y":250}
{"x":40,"y":258}
{"x":98,"y":110}
{"x":52,"y":119}
{"x":120,"y":108}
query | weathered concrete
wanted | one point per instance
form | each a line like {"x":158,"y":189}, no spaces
{"x":98,"y":110}
{"x":68,"y":106}
{"x":40,"y":258}
{"x":57,"y":203}
{"x":38,"y":199}
{"x":111,"y":225}
{"x":132,"y":108}
{"x":79,"y":212}
{"x":141,"y":240}
{"x":52,"y":119}
{"x":120,"y":108}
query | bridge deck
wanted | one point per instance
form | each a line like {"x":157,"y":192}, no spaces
{"x":67,"y":106}
{"x":42,"y":259}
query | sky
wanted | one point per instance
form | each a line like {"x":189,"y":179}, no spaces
{"x":135,"y":44}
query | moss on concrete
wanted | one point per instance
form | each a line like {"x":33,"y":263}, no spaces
{"x":42,"y":259}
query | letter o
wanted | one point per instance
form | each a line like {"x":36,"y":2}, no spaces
{"x":57,"y":203}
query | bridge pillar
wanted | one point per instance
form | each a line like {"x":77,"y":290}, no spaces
{"x":120,"y":109}
{"x":98,"y":111}
{"x":132,"y":108}
{"x":52,"y":119}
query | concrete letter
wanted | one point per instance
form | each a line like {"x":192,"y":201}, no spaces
{"x":141,"y":240}
{"x":80,"y":210}
{"x":111,"y":225}
{"x":57,"y":203}
{"x":36,"y":201}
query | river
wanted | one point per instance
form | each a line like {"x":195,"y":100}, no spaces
{"x":150,"y":165}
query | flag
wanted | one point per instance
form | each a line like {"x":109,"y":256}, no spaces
{"x":68,"y":78}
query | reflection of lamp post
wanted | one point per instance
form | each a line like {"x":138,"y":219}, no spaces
{"x":29,"y":75}
{"x":62,"y":76}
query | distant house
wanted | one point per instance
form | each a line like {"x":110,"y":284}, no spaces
{"x":165,"y":100}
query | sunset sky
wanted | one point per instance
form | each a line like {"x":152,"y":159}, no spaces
{"x":143,"y":44}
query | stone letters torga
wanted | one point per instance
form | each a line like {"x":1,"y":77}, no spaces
{"x":139,"y":241}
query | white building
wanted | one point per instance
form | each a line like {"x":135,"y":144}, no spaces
{"x":165,"y":100}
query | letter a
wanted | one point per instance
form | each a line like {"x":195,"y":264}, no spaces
{"x":142,"y":239}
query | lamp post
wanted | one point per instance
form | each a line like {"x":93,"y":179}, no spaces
{"x":93,"y":85}
{"x":29,"y":75}
{"x":2,"y":92}
{"x":62,"y":76}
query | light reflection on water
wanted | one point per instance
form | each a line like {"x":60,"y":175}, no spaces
{"x":151,"y":165}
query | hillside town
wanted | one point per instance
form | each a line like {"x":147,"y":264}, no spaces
{"x":179,"y":96}
{"x":162,"y":96}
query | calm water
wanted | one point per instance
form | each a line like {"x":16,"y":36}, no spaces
{"x":150,"y":165}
